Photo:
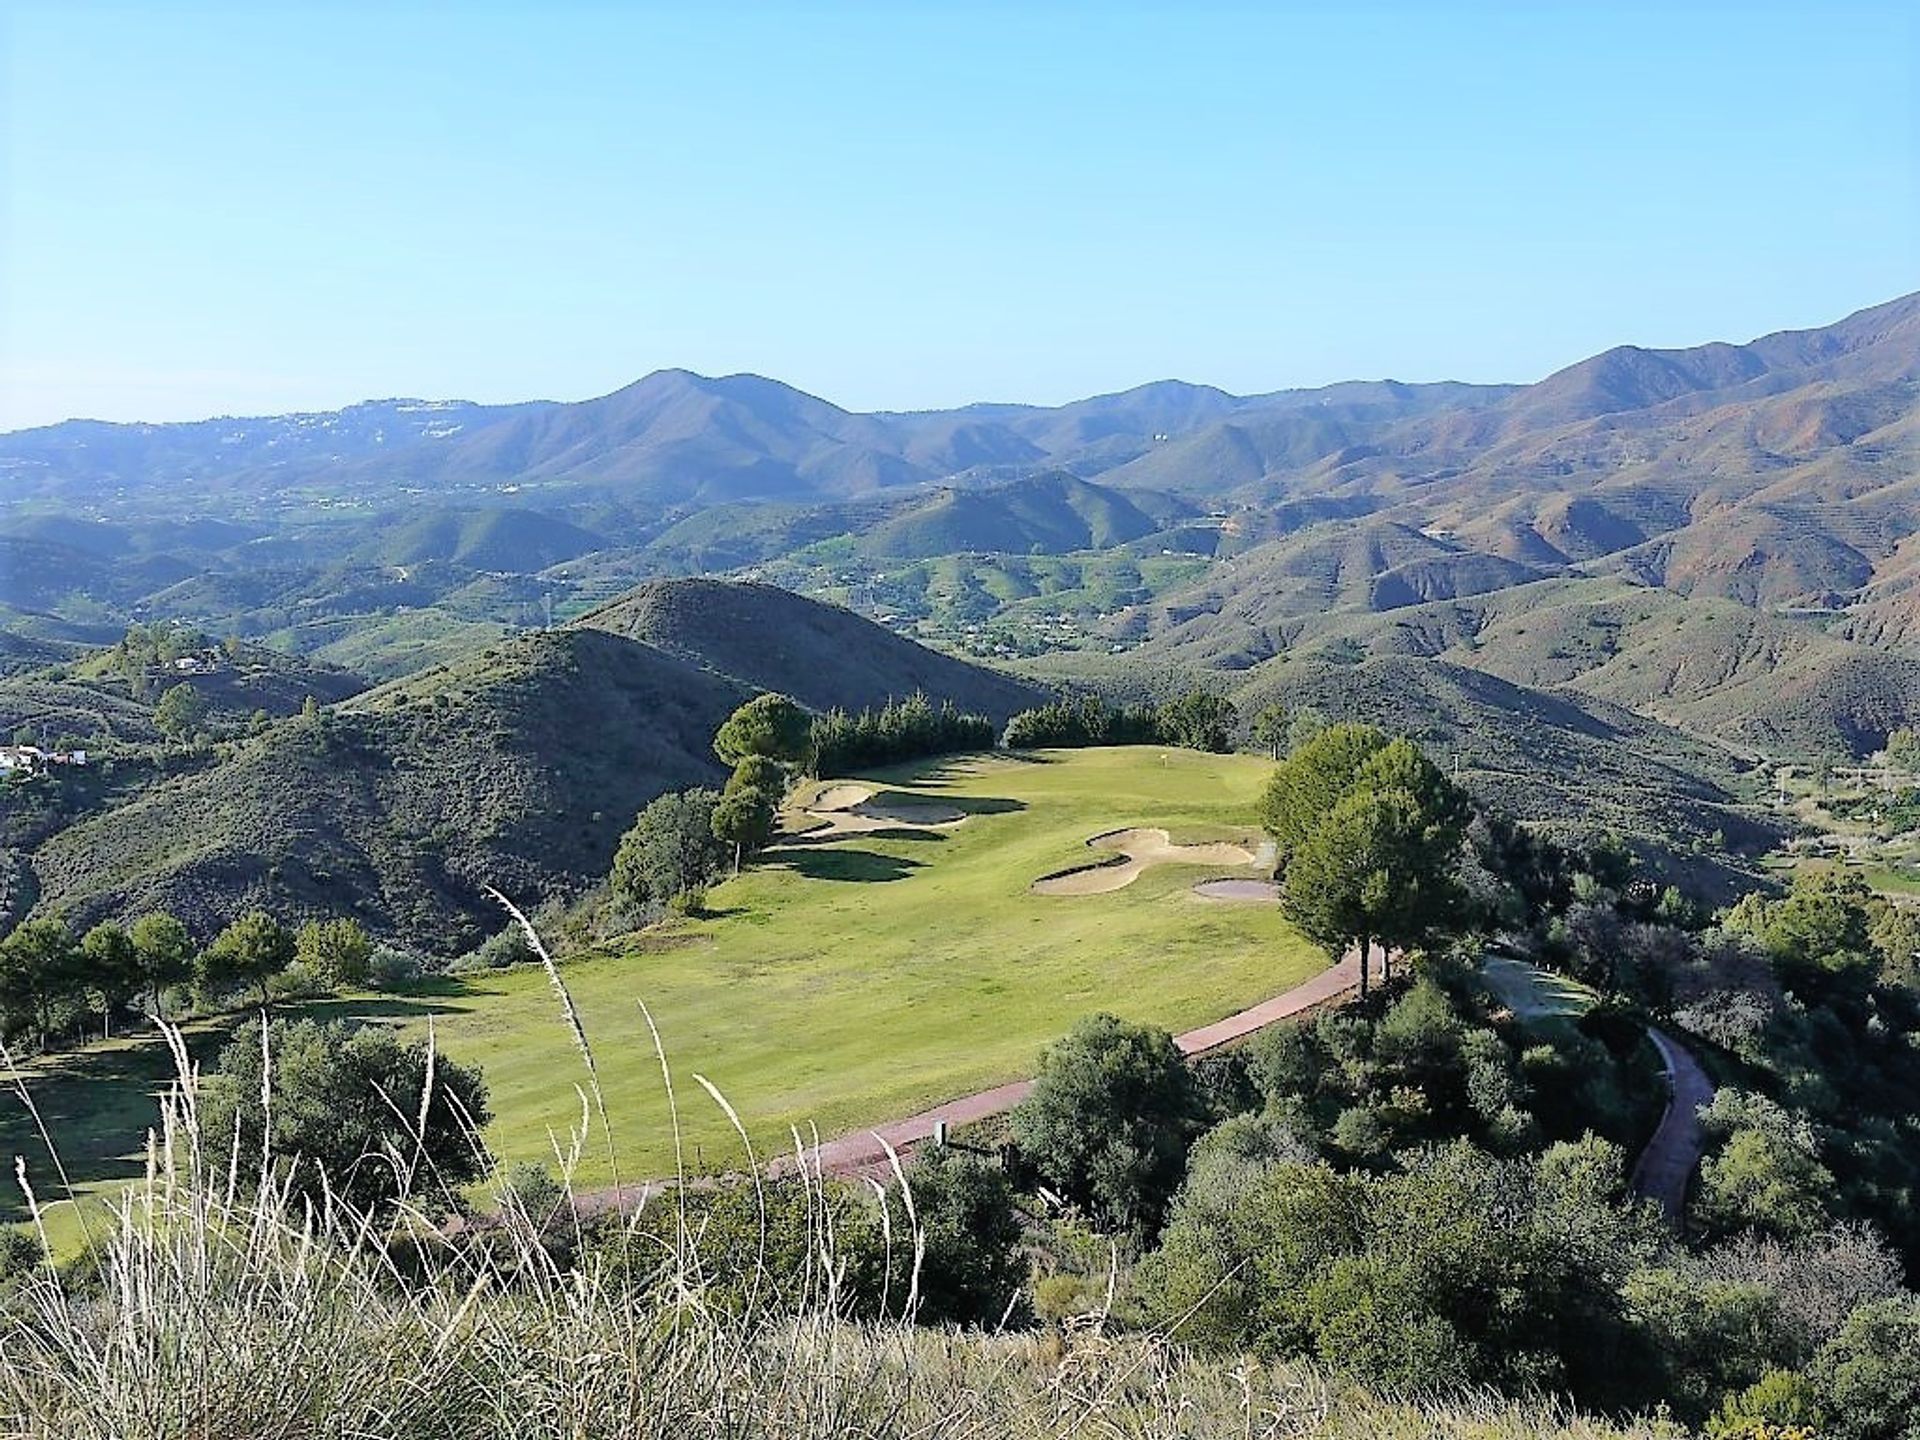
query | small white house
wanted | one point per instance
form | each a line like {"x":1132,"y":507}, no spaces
{"x":32,"y":760}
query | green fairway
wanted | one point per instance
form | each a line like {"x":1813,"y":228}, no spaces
{"x":839,"y":982}
{"x":848,"y":982}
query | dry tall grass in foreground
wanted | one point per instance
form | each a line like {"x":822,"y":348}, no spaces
{"x":221,"y":1306}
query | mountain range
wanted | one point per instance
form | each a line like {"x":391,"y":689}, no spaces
{"x":1669,"y":568}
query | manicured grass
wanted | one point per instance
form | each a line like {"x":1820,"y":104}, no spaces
{"x":97,"y":1104}
{"x":836,"y":984}
{"x":1533,"y":993}
{"x":844,"y":983}
{"x":1889,"y":881}
{"x":1889,"y":876}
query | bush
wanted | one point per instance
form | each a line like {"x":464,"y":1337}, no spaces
{"x":335,"y":950}
{"x":392,"y":968}
{"x":501,"y":951}
{"x":299,"y":981}
{"x":1774,"y":1406}
{"x":20,"y":1256}
{"x":1869,"y":1374}
{"x":975,"y":1269}
{"x":1816,"y":1282}
{"x":531,"y":1190}
{"x":670,"y":850}
{"x":1067,"y":1296}
{"x":1462,"y":1270}
{"x":345,"y":1107}
{"x":1109,"y":1119}
{"x":760,"y":1249}
{"x":1764,"y":1171}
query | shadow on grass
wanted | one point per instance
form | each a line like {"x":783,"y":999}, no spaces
{"x":891,"y":832}
{"x":988,"y":804}
{"x":357,"y":1009}
{"x":948,"y":772}
{"x":97,"y":1105}
{"x":864,"y":866}
{"x":965,"y":804}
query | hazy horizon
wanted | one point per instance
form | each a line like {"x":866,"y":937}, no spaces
{"x":957,"y":405}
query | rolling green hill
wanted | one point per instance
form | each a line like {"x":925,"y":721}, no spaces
{"x":1049,"y":514}
{"x":766,"y":638}
{"x":517,"y":766}
{"x":493,"y":539}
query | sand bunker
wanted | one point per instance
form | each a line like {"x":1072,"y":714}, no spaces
{"x":840,"y":797}
{"x":1136,"y":851}
{"x":909,"y":811}
{"x":1238,"y":891}
{"x":856,"y":810}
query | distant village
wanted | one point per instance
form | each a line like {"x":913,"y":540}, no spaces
{"x":210,"y":661}
{"x":23,"y":760}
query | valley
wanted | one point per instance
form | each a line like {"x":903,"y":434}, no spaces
{"x":866,"y":770}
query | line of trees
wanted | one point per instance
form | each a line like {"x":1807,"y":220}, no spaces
{"x":767,"y":741}
{"x":905,"y":730}
{"x":685,"y":840}
{"x":1197,"y":720}
{"x":58,"y":986}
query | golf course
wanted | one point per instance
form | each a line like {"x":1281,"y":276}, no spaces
{"x":863,"y":968}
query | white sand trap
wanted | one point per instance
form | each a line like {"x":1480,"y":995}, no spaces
{"x":840,"y":797}
{"x":855,"y":810}
{"x":1138,"y":849}
{"x":910,"y":812}
{"x":1239,"y":892}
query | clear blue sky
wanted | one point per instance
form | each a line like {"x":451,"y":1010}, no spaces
{"x":249,"y":208}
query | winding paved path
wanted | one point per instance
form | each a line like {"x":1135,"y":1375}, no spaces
{"x":1665,"y":1167}
{"x":862,"y":1153}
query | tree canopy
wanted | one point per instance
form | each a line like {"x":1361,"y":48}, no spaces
{"x":1370,"y":832}
{"x":347,"y":1106}
{"x":338,"y":951}
{"x":770,"y":725}
{"x":744,"y":815}
{"x":1109,"y":1119}
{"x":181,"y":711}
{"x":1310,"y":782}
{"x":246,"y":954}
{"x":670,"y":851}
